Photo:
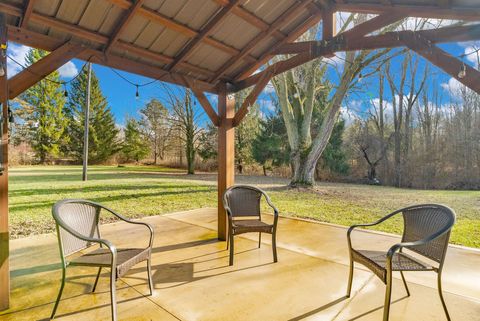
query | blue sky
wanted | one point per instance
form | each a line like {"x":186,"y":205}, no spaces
{"x":121,"y":94}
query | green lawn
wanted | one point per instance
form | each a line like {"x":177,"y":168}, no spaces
{"x":138,"y":191}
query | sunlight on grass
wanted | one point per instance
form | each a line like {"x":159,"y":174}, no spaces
{"x":152,"y":190}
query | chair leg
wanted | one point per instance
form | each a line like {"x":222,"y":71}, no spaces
{"x":231,"y":249}
{"x":439,"y":279}
{"x":113,"y":278}
{"x":405,"y":283}
{"x":274,"y":247}
{"x":259,"y":239}
{"x":388,"y":296}
{"x":96,"y":279}
{"x":149,"y":274}
{"x":350,"y":279}
{"x":59,"y":292}
{"x":228,"y":241}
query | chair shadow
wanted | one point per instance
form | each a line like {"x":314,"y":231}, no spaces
{"x":319,"y":309}
{"x":376,"y":309}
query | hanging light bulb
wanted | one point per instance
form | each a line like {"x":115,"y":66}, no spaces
{"x":65,"y":91}
{"x":360,"y":77}
{"x":137,"y":95}
{"x":463,"y":71}
{"x":11,"y":119}
{"x":2,"y":70}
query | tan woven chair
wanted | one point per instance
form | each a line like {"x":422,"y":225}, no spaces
{"x":242,"y":204}
{"x":77,"y":229}
{"x":426,"y":232}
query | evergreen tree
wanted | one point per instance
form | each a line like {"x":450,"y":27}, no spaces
{"x":334,"y":157}
{"x":102,"y":138}
{"x":135,"y":146}
{"x":42,"y":113}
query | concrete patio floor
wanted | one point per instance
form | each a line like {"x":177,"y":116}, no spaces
{"x":193,"y":281}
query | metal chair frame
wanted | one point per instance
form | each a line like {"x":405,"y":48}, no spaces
{"x":231,"y":220}
{"x":407,"y":245}
{"x":91,"y":242}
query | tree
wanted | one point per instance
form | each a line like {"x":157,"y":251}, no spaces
{"x":156,"y":127}
{"x":102,"y":139}
{"x":42,"y":113}
{"x":333,"y":157}
{"x":297,"y":90}
{"x":135,"y":146}
{"x":268,"y":147}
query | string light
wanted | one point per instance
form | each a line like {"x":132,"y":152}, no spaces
{"x":2,"y":70}
{"x":360,"y":77}
{"x":137,"y":95}
{"x":65,"y":92}
{"x":463,"y":71}
{"x":11,"y":119}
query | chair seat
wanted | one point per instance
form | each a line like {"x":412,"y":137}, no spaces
{"x":376,"y":261}
{"x":244,"y":226}
{"x":126,"y":258}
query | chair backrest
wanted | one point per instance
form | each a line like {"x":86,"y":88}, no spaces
{"x":79,"y":216}
{"x":421,"y":221}
{"x":243,"y":200}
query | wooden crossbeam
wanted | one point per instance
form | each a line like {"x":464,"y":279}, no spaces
{"x":207,"y":107}
{"x":123,"y":24}
{"x":442,"y":59}
{"x":313,"y":50}
{"x":42,"y":68}
{"x":214,"y":22}
{"x":171,"y":24}
{"x":27,"y":12}
{"x":328,"y":24}
{"x":469,"y":14}
{"x":250,"y":18}
{"x":287,"y":16}
{"x":252,"y":97}
{"x":41,"y":41}
{"x":292,"y":36}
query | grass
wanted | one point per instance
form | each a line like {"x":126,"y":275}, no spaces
{"x":140,"y":191}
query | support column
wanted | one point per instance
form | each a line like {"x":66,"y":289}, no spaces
{"x":4,"y":235}
{"x":226,"y":155}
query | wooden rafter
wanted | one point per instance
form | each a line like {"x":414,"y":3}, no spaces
{"x":328,"y":22}
{"x":250,"y":18}
{"x":292,"y":36}
{"x":252,"y":97}
{"x":42,"y":68}
{"x":27,"y":11}
{"x":123,"y":24}
{"x":37,"y":40}
{"x":169,"y":23}
{"x":214,"y":22}
{"x":312,"y":50}
{"x":442,"y":59}
{"x":470,"y":14}
{"x":283,"y":19}
{"x":207,"y":107}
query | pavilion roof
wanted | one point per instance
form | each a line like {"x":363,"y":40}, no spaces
{"x":197,"y":42}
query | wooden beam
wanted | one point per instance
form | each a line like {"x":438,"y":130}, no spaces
{"x":27,"y":12}
{"x":204,"y":103}
{"x":469,"y":14}
{"x":292,"y":12}
{"x":442,"y":59}
{"x":292,"y":36}
{"x":171,"y":24}
{"x":123,"y":24}
{"x":41,"y":41}
{"x":225,"y":154}
{"x":316,"y":49}
{"x":42,"y":68}
{"x":328,"y":25}
{"x":213,"y":23}
{"x":4,"y":232}
{"x":252,"y":97}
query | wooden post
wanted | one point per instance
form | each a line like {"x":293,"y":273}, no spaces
{"x":226,"y":154}
{"x":4,"y":235}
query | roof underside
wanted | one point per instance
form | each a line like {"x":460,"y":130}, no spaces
{"x":206,"y":40}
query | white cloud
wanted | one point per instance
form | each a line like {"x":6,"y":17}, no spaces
{"x":18,"y":53}
{"x":69,"y":70}
{"x":472,"y":54}
{"x":269,"y":89}
{"x":453,"y":86}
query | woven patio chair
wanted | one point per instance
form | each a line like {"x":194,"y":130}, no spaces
{"x":77,"y":224}
{"x":426,"y":232}
{"x":242,"y":204}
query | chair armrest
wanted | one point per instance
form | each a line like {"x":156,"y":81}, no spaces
{"x":107,"y":243}
{"x":127,"y":220}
